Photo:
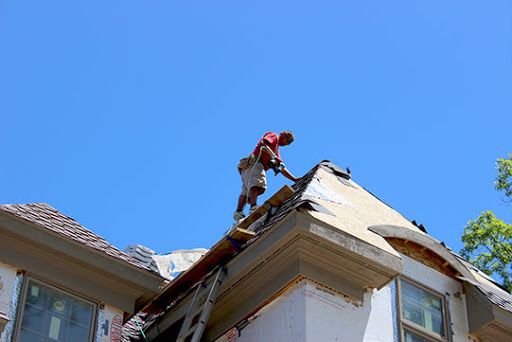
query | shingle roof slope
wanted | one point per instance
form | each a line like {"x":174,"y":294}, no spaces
{"x":295,"y":201}
{"x":499,"y":298}
{"x":494,"y":291}
{"x":49,"y":218}
{"x":131,"y":329}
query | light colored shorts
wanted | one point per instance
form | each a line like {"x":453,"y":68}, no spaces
{"x":257,"y":178}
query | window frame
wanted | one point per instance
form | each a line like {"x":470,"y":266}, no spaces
{"x":420,"y":331}
{"x":23,"y":300}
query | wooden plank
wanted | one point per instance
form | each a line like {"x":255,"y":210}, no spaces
{"x":278,"y":198}
{"x":240,"y":234}
{"x":218,"y":254}
{"x":282,"y":195}
{"x":262,"y":209}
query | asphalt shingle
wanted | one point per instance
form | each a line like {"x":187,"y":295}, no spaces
{"x":45,"y":216}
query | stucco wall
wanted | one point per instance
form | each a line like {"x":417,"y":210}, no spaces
{"x":330,"y":317}
{"x":281,"y":320}
{"x":308,"y":312}
{"x":7,"y":278}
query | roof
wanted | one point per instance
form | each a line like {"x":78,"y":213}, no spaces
{"x":331,"y":196}
{"x":132,"y":328}
{"x":328,"y":194}
{"x":496,"y":296}
{"x":45,"y":216}
{"x":314,"y":194}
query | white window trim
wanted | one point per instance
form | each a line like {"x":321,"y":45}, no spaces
{"x":405,"y":324}
{"x":21,"y":309}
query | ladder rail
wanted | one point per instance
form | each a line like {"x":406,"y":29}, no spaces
{"x":208,"y":306}
{"x":197,"y":330}
{"x":188,"y":316}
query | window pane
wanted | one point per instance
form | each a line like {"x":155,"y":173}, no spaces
{"x":410,"y":337}
{"x":37,"y":296}
{"x":77,"y":333}
{"x":81,"y":313}
{"x":28,"y":336}
{"x":55,"y":328}
{"x":422,"y":308}
{"x":52,"y":315}
{"x":33,"y":318}
{"x":60,"y":304}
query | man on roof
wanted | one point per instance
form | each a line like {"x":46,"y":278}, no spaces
{"x":252,"y":169}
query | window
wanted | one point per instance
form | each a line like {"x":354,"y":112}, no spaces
{"x":422,"y":313}
{"x":51,"y":315}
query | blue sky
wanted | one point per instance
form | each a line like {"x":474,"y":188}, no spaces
{"x":131,"y":116}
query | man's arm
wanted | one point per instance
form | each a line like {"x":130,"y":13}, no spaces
{"x":288,"y":175}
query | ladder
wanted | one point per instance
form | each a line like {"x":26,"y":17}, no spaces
{"x":195,"y":308}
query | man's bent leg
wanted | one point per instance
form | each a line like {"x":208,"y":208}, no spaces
{"x":255,"y":180}
{"x":241,"y":202}
{"x":254,"y":193}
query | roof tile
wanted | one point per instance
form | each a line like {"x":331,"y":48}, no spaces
{"x":45,"y":216}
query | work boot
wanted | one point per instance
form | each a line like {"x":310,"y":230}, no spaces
{"x":238,"y":215}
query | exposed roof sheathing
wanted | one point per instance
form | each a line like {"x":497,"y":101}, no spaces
{"x":333,"y":198}
{"x":45,"y":216}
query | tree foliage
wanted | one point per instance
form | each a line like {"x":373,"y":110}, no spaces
{"x":488,"y":240}
{"x":504,"y":180}
{"x":487,"y":245}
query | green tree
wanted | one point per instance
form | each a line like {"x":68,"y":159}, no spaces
{"x":504,"y":180}
{"x":488,"y":240}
